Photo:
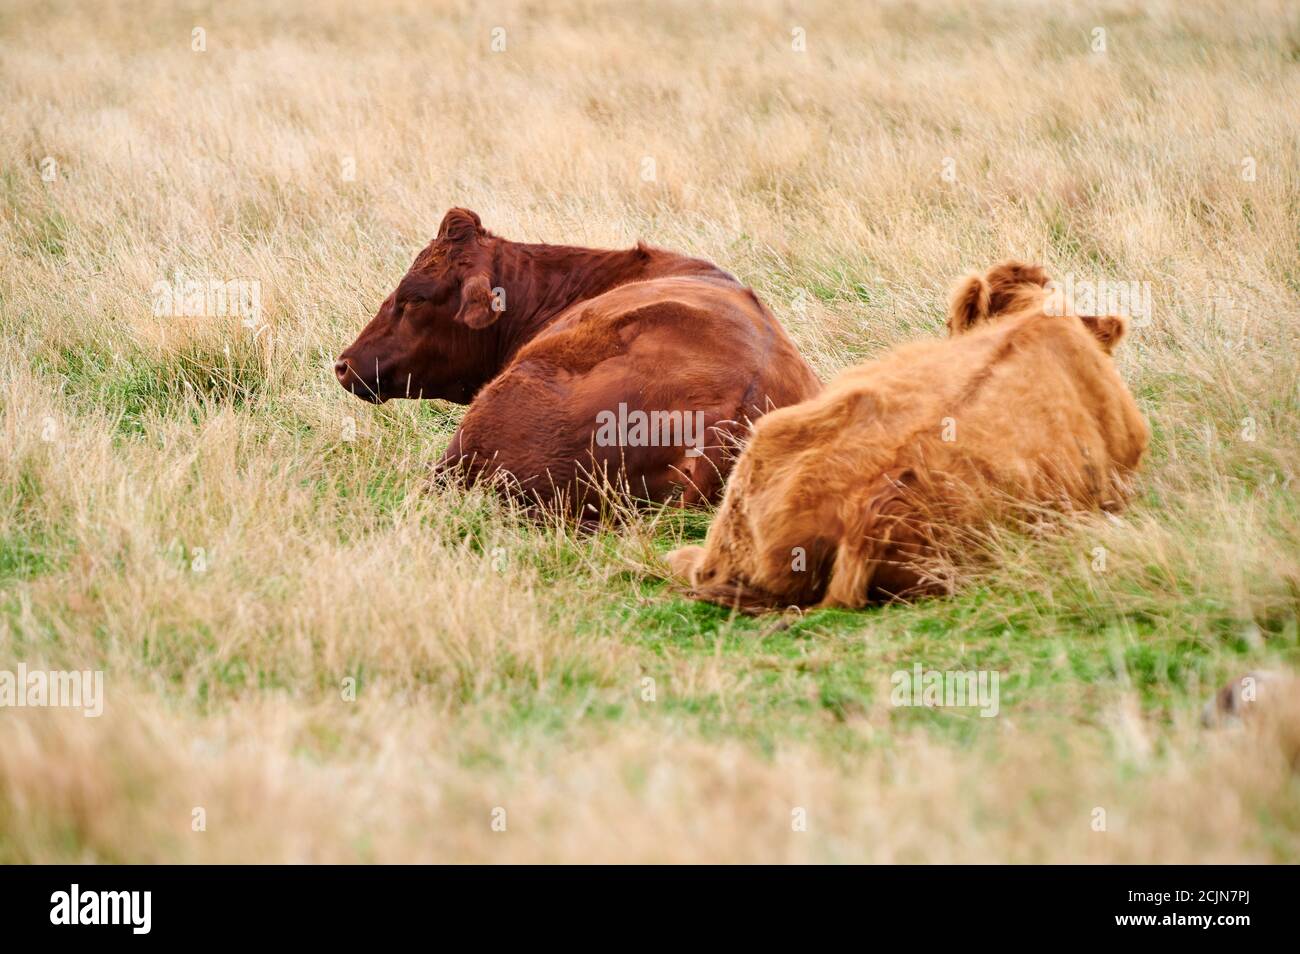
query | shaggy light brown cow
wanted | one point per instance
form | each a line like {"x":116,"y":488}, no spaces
{"x":848,"y":498}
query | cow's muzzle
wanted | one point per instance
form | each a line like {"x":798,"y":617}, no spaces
{"x":354,"y":383}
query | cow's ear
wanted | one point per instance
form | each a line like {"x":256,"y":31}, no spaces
{"x":476,"y":309}
{"x":1108,"y":329}
{"x":460,"y":226}
{"x":969,"y":304}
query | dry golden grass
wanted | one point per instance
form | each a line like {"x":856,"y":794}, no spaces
{"x":501,"y":664}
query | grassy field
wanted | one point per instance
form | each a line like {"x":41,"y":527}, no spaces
{"x":307,"y":658}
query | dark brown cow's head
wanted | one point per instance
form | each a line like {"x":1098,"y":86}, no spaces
{"x":431,"y":337}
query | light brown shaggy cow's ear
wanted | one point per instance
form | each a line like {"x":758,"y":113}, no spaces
{"x":1108,"y":329}
{"x":969,"y":304}
{"x":476,"y":309}
{"x":459,"y":226}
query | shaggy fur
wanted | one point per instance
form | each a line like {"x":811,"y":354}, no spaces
{"x":852,"y":496}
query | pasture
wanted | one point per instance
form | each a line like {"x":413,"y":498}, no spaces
{"x":309,"y":655}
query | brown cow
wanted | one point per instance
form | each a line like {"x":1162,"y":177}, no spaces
{"x":641,"y":366}
{"x":849,"y":497}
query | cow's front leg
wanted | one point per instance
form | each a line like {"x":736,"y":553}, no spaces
{"x":456,"y":465}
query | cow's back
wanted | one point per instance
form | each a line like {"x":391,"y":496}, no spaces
{"x":1045,"y":416}
{"x":693,"y":345}
{"x":1029,"y":406}
{"x":701,"y":330}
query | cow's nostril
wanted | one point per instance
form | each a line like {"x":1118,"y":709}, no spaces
{"x":341,"y":368}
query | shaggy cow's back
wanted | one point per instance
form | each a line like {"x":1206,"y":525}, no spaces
{"x":1031,"y":405}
